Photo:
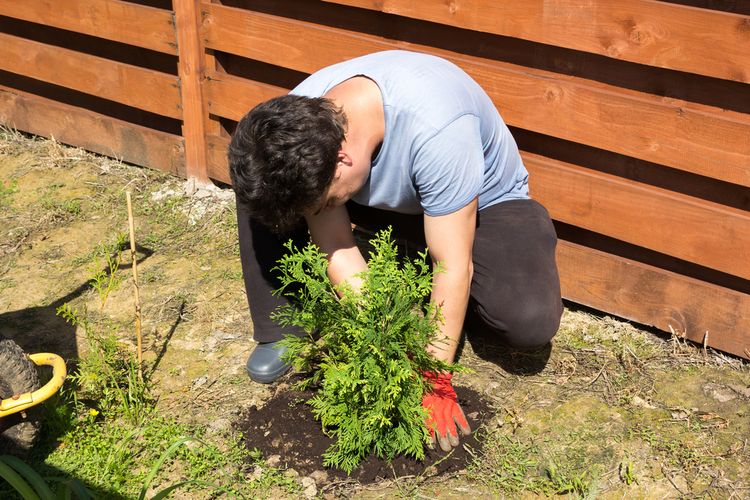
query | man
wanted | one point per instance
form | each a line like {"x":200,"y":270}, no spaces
{"x":397,"y":134}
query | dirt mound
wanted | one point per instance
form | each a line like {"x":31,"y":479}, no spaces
{"x":285,"y":427}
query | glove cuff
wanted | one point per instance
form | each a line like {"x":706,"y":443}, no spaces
{"x":438,"y":378}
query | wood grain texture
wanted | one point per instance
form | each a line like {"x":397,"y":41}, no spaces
{"x":137,"y":87}
{"x":655,"y":297}
{"x":92,"y":131}
{"x":232,"y":97}
{"x":701,"y":41}
{"x":115,"y":20}
{"x":191,"y":73}
{"x":687,"y":136}
{"x":691,"y":229}
{"x":218,"y":166}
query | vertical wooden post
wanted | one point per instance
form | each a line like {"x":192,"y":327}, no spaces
{"x":191,"y":71}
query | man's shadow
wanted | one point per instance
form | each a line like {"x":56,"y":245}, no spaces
{"x":486,"y":346}
{"x":41,"y":329}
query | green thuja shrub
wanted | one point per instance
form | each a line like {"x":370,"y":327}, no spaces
{"x":364,"y":350}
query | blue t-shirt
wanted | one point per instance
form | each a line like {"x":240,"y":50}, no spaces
{"x":444,"y":144}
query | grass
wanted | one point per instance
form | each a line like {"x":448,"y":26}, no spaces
{"x":601,"y":418}
{"x":111,"y":438}
{"x":7,"y":189}
{"x":614,"y":410}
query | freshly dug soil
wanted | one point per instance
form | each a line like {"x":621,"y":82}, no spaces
{"x":285,"y":426}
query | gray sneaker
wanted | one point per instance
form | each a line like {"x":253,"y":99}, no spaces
{"x":265,"y":364}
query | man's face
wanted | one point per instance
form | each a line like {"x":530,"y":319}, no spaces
{"x":337,"y":194}
{"x":347,"y":181}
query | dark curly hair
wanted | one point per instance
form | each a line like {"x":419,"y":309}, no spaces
{"x":283,"y":156}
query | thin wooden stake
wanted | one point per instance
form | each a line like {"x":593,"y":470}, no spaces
{"x":131,"y":224}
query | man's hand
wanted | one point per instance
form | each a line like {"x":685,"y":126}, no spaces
{"x":446,"y":418}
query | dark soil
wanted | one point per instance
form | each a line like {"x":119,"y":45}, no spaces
{"x":285,"y":426}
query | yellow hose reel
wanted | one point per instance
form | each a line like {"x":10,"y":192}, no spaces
{"x":20,"y":402}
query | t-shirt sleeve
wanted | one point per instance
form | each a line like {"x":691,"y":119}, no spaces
{"x":448,"y":169}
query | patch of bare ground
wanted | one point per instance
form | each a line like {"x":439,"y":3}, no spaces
{"x":607,"y":410}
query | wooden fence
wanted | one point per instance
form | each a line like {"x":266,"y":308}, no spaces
{"x":633,"y":116}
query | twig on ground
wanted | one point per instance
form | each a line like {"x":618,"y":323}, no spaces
{"x":669,"y":478}
{"x":599,"y":374}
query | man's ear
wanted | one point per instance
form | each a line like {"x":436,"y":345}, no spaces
{"x":343,"y":157}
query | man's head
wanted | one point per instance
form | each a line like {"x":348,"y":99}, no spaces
{"x":283,"y":157}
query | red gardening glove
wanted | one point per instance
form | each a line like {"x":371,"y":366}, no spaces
{"x":445,"y":419}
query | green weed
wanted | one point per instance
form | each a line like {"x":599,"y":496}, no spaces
{"x":507,"y":465}
{"x":108,"y":376}
{"x":627,"y":473}
{"x":563,"y":482}
{"x":107,"y":260}
{"x":7,"y":190}
{"x":62,"y":209}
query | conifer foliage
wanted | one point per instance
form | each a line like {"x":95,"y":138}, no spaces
{"x":364,"y":351}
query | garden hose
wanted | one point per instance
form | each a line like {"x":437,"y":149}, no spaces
{"x":26,"y":400}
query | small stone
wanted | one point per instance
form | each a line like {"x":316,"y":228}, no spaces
{"x":307,"y":481}
{"x":257,"y":473}
{"x":311,"y":491}
{"x":291,"y":473}
{"x":473,"y":415}
{"x":273,"y":460}
{"x":219,"y":425}
{"x":320,"y":477}
{"x":638,"y":401}
{"x":198,"y":382}
{"x":210,"y":344}
{"x":719,"y":392}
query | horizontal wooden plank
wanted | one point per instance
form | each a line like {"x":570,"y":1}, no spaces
{"x":92,"y":131}
{"x":675,"y":224}
{"x":232,"y":97}
{"x":124,"y":22}
{"x":216,"y":154}
{"x":696,"y":138}
{"x":138,"y":87}
{"x":672,"y":36}
{"x":656,"y":297}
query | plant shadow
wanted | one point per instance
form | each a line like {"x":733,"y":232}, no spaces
{"x":61,"y":484}
{"x":41,"y":329}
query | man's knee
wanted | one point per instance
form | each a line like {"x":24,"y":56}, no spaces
{"x":525,"y":326}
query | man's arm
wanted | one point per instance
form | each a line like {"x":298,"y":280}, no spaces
{"x":331,"y":230}
{"x":450,"y":240}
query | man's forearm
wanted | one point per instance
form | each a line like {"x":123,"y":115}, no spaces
{"x":331,"y":230}
{"x":450,"y":291}
{"x":344,"y":265}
